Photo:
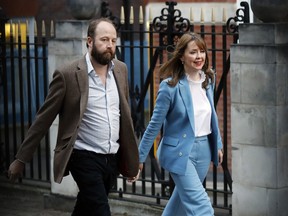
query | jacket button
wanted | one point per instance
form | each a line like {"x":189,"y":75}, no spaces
{"x":184,"y":135}
{"x":180,"y":154}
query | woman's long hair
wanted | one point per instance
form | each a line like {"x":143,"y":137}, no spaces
{"x":174,"y":68}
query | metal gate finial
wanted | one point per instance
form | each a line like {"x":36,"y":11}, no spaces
{"x":242,"y":15}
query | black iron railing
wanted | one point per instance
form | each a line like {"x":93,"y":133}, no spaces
{"x":24,"y":84}
{"x":24,"y":79}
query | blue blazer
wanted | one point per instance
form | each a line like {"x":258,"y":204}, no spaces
{"x":174,"y":110}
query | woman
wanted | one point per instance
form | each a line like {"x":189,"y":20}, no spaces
{"x":191,"y":137}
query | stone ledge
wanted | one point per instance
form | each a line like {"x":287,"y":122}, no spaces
{"x":263,"y":33}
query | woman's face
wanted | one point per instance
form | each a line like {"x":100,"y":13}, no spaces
{"x":193,"y":58}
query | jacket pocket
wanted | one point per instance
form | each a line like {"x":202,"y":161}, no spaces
{"x":171,"y":141}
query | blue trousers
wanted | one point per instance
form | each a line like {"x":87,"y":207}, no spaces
{"x":189,"y":197}
{"x":95,"y":175}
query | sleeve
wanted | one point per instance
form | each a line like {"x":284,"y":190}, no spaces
{"x":160,"y":111}
{"x":44,"y":118}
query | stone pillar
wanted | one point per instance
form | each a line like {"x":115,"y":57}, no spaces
{"x":69,"y":44}
{"x":259,"y":115}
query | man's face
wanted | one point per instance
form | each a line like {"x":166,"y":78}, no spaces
{"x":103,"y":46}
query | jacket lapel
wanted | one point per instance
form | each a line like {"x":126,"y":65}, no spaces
{"x":82,"y":78}
{"x":187,"y":99}
{"x":118,"y":81}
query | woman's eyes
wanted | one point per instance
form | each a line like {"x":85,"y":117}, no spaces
{"x":195,"y":52}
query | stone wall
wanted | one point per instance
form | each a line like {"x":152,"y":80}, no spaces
{"x":259,"y":113}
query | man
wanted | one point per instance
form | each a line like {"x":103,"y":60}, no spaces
{"x":91,"y":98}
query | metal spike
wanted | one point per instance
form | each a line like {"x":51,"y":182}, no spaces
{"x":27,"y":27}
{"x":202,"y":15}
{"x":122,"y":15}
{"x":212,"y":15}
{"x":191,"y":15}
{"x":150,"y":15}
{"x":19,"y":28}
{"x":11,"y":28}
{"x":43,"y":28}
{"x":224,"y":15}
{"x":35,"y":28}
{"x":52,"y":29}
{"x":131,"y":15}
{"x":141,"y":20}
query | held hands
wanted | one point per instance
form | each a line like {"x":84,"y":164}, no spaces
{"x":15,"y":170}
{"x":133,"y":179}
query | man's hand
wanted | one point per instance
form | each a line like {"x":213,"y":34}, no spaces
{"x":16,"y":169}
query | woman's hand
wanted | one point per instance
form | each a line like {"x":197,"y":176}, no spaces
{"x":220,"y":156}
{"x":133,"y":179}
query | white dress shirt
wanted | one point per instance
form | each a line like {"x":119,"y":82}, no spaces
{"x":99,"y":129}
{"x":201,"y":106}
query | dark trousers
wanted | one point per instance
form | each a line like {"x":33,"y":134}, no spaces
{"x":95,"y":174}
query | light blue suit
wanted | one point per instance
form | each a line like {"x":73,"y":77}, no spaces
{"x":174,"y":110}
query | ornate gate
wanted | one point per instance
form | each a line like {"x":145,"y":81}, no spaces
{"x":144,"y":48}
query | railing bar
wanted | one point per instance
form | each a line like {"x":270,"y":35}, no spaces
{"x":225,"y":131}
{"x":213,"y":39}
{"x":13,"y":95}
{"x":132,"y":57}
{"x":21,"y":89}
{"x":142,"y":74}
{"x":29,"y":84}
{"x":148,"y":80}
{"x":46,"y":81}
{"x":5,"y":93}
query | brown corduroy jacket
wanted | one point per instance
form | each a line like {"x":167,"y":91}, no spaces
{"x":67,"y":98}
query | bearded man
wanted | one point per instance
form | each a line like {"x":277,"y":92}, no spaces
{"x":91,"y":98}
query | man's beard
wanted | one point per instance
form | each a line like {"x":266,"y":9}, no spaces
{"x":102,"y":58}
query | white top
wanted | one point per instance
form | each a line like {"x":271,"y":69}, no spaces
{"x":201,"y":106}
{"x":99,"y":129}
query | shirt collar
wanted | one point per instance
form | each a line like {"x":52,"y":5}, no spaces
{"x":90,"y":67}
{"x":202,"y":77}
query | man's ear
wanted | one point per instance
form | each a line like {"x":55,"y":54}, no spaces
{"x":89,"y":41}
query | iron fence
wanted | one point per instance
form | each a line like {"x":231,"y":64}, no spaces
{"x":24,"y":85}
{"x":143,"y":47}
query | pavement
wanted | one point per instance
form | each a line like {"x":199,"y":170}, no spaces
{"x":15,"y":201}
{"x":28,"y":200}
{"x":22,"y":200}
